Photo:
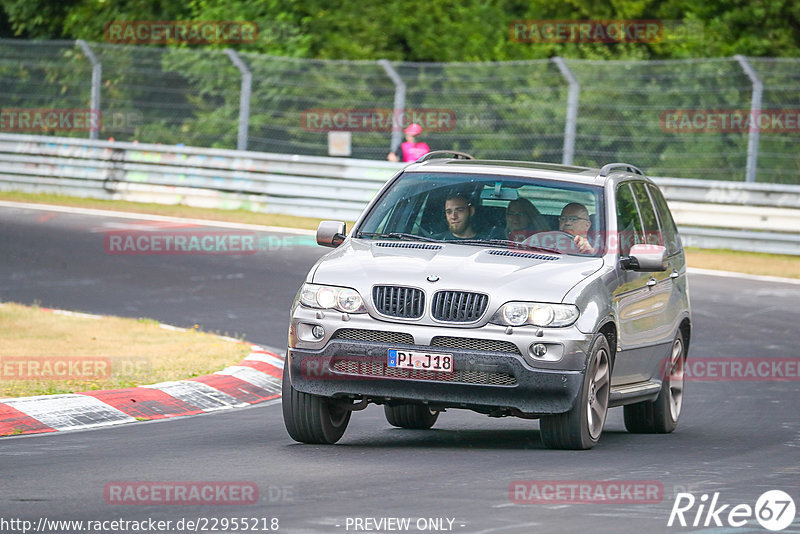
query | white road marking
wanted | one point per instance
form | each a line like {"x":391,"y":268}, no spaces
{"x":745,"y":276}
{"x":147,"y":217}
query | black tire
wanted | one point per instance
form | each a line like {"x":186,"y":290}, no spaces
{"x":410,"y":416}
{"x":580,"y":428}
{"x":661,"y":415}
{"x":309,"y":418}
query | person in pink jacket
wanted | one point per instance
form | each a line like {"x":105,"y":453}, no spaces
{"x":411,"y":149}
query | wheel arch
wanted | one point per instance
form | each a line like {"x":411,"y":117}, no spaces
{"x":685,"y":328}
{"x":609,"y":331}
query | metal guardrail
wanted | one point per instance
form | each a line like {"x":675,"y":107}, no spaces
{"x":736,"y":193}
{"x":710,"y":214}
{"x":274,"y":183}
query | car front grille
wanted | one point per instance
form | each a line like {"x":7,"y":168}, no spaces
{"x":474,"y":344}
{"x":396,"y":301}
{"x":458,"y":306}
{"x":447,"y":342}
{"x":378,"y":336}
{"x":377,"y":368}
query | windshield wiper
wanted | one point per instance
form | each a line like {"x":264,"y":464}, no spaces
{"x":505,"y":243}
{"x":399,"y":235}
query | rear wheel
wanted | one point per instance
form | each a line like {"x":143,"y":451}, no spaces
{"x":309,"y":418}
{"x":661,"y":415}
{"x":580,"y":428}
{"x":410,"y":416}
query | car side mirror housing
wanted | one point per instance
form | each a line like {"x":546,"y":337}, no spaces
{"x":646,"y":258}
{"x":331,"y":233}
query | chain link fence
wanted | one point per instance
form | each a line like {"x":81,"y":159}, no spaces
{"x":673,"y":118}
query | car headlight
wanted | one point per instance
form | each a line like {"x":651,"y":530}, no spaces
{"x":536,"y":314}
{"x":331,"y":297}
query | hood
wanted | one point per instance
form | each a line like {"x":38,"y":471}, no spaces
{"x":362,"y":263}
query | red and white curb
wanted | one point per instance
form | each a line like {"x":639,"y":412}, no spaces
{"x":255,"y":379}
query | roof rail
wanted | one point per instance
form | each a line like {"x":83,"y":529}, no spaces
{"x":607,"y":168}
{"x":438,"y":153}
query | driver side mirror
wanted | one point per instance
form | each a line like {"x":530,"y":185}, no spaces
{"x":645,"y":258}
{"x":331,"y":233}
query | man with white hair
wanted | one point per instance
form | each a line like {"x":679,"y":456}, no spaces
{"x":574,"y":220}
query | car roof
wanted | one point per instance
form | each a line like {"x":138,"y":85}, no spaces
{"x":610,"y":174}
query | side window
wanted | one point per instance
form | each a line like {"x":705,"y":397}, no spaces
{"x":403,"y":216}
{"x":672,"y":239}
{"x":629,"y":226}
{"x":394,"y":217}
{"x":652,"y":232}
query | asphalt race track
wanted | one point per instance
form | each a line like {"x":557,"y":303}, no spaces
{"x":739,"y":438}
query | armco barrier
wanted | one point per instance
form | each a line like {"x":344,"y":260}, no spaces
{"x":710,"y":214}
{"x":276,"y":183}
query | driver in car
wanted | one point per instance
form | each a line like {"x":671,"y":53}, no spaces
{"x":459,"y":214}
{"x":574,"y":220}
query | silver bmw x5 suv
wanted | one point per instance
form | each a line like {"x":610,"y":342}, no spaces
{"x":509,"y":288}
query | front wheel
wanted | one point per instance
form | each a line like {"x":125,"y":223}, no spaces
{"x":661,"y":415}
{"x":580,"y":428}
{"x":311,"y":419}
{"x":410,"y":416}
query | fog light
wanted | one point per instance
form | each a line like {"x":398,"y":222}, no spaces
{"x":318,"y":332}
{"x":539,"y":350}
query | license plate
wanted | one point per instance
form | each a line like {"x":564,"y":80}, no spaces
{"x":421,"y":361}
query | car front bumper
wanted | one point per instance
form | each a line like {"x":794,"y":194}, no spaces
{"x":484,"y":381}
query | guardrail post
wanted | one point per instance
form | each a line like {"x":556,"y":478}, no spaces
{"x":244,"y":98}
{"x":755,"y":112}
{"x":572,"y":110}
{"x":97,"y":75}
{"x":399,"y":104}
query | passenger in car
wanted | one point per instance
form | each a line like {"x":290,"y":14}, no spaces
{"x":523,"y":220}
{"x":574,"y":220}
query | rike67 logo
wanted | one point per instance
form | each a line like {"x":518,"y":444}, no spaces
{"x":774,"y":510}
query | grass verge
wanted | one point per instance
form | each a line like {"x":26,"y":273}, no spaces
{"x":745,"y":262}
{"x":45,"y":352}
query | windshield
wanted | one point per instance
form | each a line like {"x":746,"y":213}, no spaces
{"x":503,"y":211}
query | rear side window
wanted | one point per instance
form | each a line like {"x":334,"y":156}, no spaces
{"x":672,"y":239}
{"x":652,"y":232}
{"x":629,"y":226}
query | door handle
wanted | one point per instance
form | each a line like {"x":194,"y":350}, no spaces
{"x":651,"y":282}
{"x":674,"y":274}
